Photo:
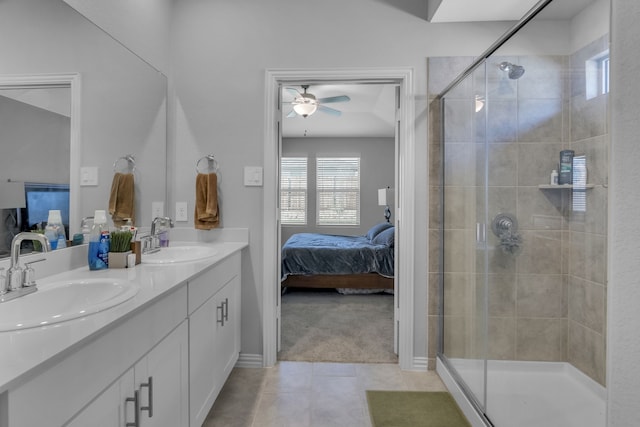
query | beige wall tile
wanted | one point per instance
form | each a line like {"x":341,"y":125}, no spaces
{"x":541,"y":339}
{"x":502,"y":338}
{"x":536,"y":161}
{"x":540,"y":120}
{"x":586,"y":351}
{"x":541,"y":252}
{"x":587,"y":304}
{"x":542,"y":295}
{"x":588,"y":257}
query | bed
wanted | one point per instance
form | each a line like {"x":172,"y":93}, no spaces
{"x":313,"y":260}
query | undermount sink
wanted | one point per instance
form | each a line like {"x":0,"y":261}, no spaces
{"x":179,"y":253}
{"x":64,"y":300}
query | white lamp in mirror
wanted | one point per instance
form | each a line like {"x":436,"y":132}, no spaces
{"x":385,"y":198}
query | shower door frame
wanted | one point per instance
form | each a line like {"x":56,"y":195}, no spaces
{"x":476,"y":411}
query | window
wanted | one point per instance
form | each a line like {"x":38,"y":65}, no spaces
{"x":597,"y":75}
{"x":293,"y":190}
{"x":338,"y":190}
{"x":604,"y":67}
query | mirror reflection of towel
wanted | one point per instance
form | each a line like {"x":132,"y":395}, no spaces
{"x":206,"y":214}
{"x":121,"y":199}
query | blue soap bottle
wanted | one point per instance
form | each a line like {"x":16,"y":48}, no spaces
{"x":99,"y":242}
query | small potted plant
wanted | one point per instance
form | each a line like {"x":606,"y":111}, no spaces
{"x":120,"y":248}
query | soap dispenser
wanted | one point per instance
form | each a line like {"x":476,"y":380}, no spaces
{"x":55,"y":230}
{"x":99,"y":242}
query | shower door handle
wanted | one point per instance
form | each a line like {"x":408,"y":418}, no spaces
{"x":481,"y":234}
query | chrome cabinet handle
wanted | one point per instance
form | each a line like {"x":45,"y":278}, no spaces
{"x":149,"y":407}
{"x":220,"y":318}
{"x":225,"y":310}
{"x":136,"y":406}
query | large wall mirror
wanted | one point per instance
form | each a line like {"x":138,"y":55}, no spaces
{"x":71,"y":96}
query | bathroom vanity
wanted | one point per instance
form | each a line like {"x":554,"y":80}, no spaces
{"x":157,"y":359}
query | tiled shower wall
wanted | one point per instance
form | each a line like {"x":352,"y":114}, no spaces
{"x":547,"y":302}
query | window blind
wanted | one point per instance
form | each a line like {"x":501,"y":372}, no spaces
{"x":293,"y":190}
{"x":338,"y":190}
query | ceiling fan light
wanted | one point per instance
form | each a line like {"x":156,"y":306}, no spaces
{"x":305,"y":106}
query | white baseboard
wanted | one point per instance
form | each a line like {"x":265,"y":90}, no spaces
{"x":249,"y":361}
{"x":255,"y":361}
{"x":420,"y":364}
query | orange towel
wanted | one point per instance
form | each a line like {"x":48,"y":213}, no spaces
{"x":122,"y":199}
{"x":206,"y":214}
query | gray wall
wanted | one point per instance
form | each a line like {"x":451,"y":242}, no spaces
{"x":38,"y":136}
{"x":623,"y":346}
{"x":213,"y":76}
{"x":376,"y":171}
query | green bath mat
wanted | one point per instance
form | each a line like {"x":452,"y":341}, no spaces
{"x":414,"y":409}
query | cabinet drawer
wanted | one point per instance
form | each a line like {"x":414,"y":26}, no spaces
{"x":204,"y":286}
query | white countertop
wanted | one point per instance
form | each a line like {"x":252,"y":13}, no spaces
{"x":26,"y":353}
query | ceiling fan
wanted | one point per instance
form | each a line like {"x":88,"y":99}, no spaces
{"x":305,"y":104}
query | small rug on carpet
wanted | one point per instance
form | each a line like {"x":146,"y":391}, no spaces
{"x":321,"y":326}
{"x":414,"y":409}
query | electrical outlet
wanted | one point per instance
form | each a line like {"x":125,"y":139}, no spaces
{"x":157,"y":209}
{"x":181,"y":211}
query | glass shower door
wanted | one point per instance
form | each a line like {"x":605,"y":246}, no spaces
{"x":464,"y":215}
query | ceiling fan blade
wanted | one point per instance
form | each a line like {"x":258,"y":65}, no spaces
{"x":329,"y":110}
{"x":341,"y":98}
{"x":292,"y":114}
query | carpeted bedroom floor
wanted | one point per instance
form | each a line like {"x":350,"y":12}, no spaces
{"x":325,"y":326}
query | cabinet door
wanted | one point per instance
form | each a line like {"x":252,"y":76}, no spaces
{"x":110,"y":408}
{"x":203,"y":336}
{"x":214,"y":344}
{"x":229,"y":333}
{"x":162,"y":381}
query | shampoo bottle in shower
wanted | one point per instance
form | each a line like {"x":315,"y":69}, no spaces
{"x":565,"y":174}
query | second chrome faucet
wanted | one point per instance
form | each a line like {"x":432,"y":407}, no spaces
{"x":18,"y":281}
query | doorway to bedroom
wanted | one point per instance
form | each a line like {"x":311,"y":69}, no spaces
{"x":337,"y":259}
{"x":403,"y":196}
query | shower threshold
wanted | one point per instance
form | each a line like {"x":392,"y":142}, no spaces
{"x":531,"y":394}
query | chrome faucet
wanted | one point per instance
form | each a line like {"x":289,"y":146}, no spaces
{"x":152,"y":242}
{"x":17,"y":283}
{"x":162,"y":221}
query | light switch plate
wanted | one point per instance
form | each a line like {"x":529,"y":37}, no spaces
{"x":157,"y":209}
{"x":181,"y":211}
{"x":88,"y":176}
{"x":253,"y":176}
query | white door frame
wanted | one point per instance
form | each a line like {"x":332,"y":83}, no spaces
{"x":405,"y":198}
{"x":72,"y":81}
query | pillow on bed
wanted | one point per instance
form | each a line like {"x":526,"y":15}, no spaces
{"x":376,"y":229}
{"x":385,"y":237}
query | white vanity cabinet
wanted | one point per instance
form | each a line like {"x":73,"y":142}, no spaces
{"x":153,"y":393}
{"x":161,"y":364}
{"x":214,"y":334}
{"x":89,"y":387}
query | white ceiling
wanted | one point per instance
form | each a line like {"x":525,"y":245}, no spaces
{"x":503,"y":10}
{"x":369,"y":113}
{"x":481,"y":10}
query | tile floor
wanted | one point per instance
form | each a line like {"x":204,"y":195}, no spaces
{"x":303,"y":394}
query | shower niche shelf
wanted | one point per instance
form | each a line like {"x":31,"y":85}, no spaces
{"x":565,"y":187}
